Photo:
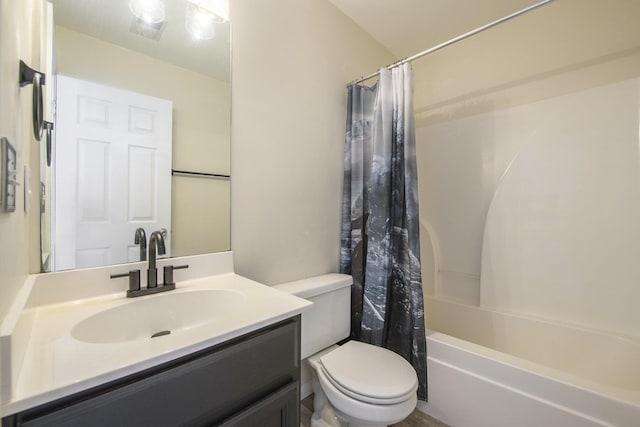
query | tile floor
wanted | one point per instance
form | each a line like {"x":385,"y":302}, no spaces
{"x":416,"y":419}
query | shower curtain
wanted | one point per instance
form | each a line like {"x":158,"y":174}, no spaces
{"x":380,"y":236}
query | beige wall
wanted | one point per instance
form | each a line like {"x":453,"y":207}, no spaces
{"x":563,"y":47}
{"x":201,"y":131}
{"x":291,"y":62}
{"x":19,"y":231}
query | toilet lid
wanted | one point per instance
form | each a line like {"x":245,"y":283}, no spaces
{"x":370,"y":373}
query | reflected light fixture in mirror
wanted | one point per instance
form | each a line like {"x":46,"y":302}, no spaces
{"x":202,"y":15}
{"x":150,"y":11}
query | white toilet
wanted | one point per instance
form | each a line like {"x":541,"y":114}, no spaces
{"x":355,"y":384}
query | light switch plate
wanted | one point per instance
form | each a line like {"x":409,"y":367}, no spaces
{"x":8,"y":176}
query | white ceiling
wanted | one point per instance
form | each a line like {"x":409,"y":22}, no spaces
{"x":406,"y":27}
{"x":110,"y":20}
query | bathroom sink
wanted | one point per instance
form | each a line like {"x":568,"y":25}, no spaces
{"x":156,"y":316}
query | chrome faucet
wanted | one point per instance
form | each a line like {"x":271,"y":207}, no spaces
{"x":140,"y":238}
{"x":156,"y":242}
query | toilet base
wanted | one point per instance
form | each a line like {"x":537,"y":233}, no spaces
{"x":325,"y":415}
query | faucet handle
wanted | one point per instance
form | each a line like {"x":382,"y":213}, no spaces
{"x":168,"y":273}
{"x":134,"y":280}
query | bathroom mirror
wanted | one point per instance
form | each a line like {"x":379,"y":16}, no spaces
{"x":141,"y":130}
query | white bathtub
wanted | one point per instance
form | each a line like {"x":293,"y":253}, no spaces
{"x":494,"y":369}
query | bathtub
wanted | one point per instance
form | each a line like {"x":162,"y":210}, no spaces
{"x":495,"y":369}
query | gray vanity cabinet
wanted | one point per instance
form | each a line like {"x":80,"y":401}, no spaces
{"x":253,"y":380}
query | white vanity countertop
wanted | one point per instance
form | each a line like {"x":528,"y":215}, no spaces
{"x":56,"y":364}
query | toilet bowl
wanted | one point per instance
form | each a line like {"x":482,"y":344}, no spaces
{"x":355,"y":384}
{"x":363,"y":384}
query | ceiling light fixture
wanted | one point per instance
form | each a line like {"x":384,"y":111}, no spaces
{"x":150,"y":11}
{"x":202,"y":15}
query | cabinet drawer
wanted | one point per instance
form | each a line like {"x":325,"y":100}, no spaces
{"x":279,"y":409}
{"x":201,"y":391}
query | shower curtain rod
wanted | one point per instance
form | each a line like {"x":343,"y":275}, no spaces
{"x":452,"y":41}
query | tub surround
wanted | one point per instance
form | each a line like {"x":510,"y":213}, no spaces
{"x":548,"y":284}
{"x":42,"y":361}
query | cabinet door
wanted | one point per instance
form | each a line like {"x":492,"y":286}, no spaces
{"x":280,"y":409}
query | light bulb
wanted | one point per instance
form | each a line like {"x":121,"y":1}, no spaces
{"x":200,"y":22}
{"x":150,"y":11}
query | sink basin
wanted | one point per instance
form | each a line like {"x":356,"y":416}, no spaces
{"x":155,"y":316}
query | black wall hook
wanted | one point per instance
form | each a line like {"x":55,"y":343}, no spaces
{"x":27,"y":73}
{"x":30,"y":76}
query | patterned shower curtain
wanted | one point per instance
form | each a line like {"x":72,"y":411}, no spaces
{"x":380,"y":234}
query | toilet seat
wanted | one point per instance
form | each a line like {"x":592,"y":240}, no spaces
{"x":369,"y":374}
{"x":357,"y":411}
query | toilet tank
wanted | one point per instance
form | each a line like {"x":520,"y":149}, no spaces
{"x":328,"y":320}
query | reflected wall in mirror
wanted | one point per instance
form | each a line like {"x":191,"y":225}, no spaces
{"x":124,"y":90}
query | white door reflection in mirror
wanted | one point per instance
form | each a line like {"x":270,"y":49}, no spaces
{"x":113,"y":150}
